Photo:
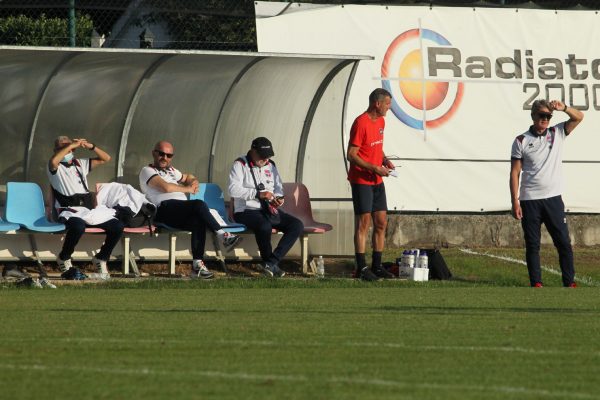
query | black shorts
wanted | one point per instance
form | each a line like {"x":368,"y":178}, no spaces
{"x":368,"y":198}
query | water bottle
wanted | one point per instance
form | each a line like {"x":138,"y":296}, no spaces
{"x":411,"y":259}
{"x":423,"y":260}
{"x":98,"y":276}
{"x":320,"y":267}
{"x":416,"y":253}
{"x":404,"y":259}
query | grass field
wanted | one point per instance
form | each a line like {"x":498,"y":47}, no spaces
{"x":483,"y":335}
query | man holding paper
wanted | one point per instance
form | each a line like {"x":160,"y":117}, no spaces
{"x":368,"y":165}
{"x":166,"y":187}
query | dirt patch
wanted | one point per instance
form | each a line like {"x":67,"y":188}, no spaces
{"x":335,"y":267}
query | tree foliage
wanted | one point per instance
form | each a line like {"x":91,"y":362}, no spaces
{"x":43,"y":31}
{"x":213,"y":24}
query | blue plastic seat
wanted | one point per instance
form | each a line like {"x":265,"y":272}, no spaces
{"x":212,"y":195}
{"x":7,"y":226}
{"x":25,"y":206}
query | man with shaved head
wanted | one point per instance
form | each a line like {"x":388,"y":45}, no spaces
{"x":168,"y":188}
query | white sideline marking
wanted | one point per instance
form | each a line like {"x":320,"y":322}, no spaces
{"x":583,"y":279}
{"x":302,"y":378}
{"x":267,"y":343}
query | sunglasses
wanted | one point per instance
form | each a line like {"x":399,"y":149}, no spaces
{"x":547,"y":116}
{"x":163,"y":154}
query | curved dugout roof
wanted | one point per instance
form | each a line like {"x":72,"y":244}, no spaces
{"x":210,"y":105}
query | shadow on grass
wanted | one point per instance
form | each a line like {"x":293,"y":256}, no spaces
{"x":484,"y":310}
{"x":409,"y":309}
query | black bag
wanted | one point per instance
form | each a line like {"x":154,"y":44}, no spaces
{"x":77,"y":200}
{"x":438,"y":269}
{"x":144,"y":217}
{"x":80,"y":199}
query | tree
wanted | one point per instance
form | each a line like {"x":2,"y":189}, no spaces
{"x":207,"y":24}
{"x":43,"y":31}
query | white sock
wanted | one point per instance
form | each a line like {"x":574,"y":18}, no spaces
{"x":220,"y":233}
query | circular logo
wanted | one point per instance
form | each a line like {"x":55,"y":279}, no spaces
{"x":416,"y":101}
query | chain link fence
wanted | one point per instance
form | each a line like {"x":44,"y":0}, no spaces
{"x":173,"y":24}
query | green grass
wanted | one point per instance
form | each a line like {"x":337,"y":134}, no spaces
{"x":484,"y":335}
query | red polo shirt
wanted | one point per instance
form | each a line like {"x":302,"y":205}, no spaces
{"x":367,"y":135}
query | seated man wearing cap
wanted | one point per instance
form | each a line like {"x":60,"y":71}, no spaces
{"x":166,"y":187}
{"x":257,"y":192}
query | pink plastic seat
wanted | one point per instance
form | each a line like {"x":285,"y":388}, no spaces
{"x":297,"y":203}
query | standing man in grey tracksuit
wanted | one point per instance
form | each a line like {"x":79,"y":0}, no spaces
{"x":536,"y":185}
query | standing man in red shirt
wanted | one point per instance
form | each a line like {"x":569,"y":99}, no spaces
{"x":368,"y":165}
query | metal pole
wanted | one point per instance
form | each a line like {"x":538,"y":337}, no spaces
{"x":72,"y":23}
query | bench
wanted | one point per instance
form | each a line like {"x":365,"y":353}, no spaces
{"x":297,"y":203}
{"x":212,"y":195}
{"x":25,"y":207}
{"x":128,"y":259}
{"x":128,"y":256}
{"x":25,"y":210}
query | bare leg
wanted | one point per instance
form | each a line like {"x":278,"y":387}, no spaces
{"x":362,"y":223}
{"x":379,"y":223}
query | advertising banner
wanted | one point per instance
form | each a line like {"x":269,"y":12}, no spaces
{"x":463,"y":81}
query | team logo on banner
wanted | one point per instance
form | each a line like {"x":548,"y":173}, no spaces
{"x":417,"y":101}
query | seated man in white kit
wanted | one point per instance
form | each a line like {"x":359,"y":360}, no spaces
{"x":166,"y":187}
{"x":75,"y":205}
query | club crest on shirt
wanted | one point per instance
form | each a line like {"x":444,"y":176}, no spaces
{"x":268,"y":173}
{"x":381,"y":131}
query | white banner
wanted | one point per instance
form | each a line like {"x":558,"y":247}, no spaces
{"x":477,"y":71}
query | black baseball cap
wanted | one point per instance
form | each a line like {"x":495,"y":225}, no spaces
{"x":263,"y":147}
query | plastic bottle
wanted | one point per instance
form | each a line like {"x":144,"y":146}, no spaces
{"x":411,"y":259}
{"x":98,"y":276}
{"x":320,"y":267}
{"x":423,"y":260}
{"x":416,"y":254}
{"x":404,"y":259}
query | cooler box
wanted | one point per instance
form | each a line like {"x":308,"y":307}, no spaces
{"x":419,"y":274}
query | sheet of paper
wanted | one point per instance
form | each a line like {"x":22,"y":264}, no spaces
{"x":218,"y":217}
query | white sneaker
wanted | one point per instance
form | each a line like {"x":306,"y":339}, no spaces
{"x":64,"y":265}
{"x":102,"y":268}
{"x":230,"y":241}
{"x":46,"y":283}
{"x":37,"y":284}
{"x":199,"y":271}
